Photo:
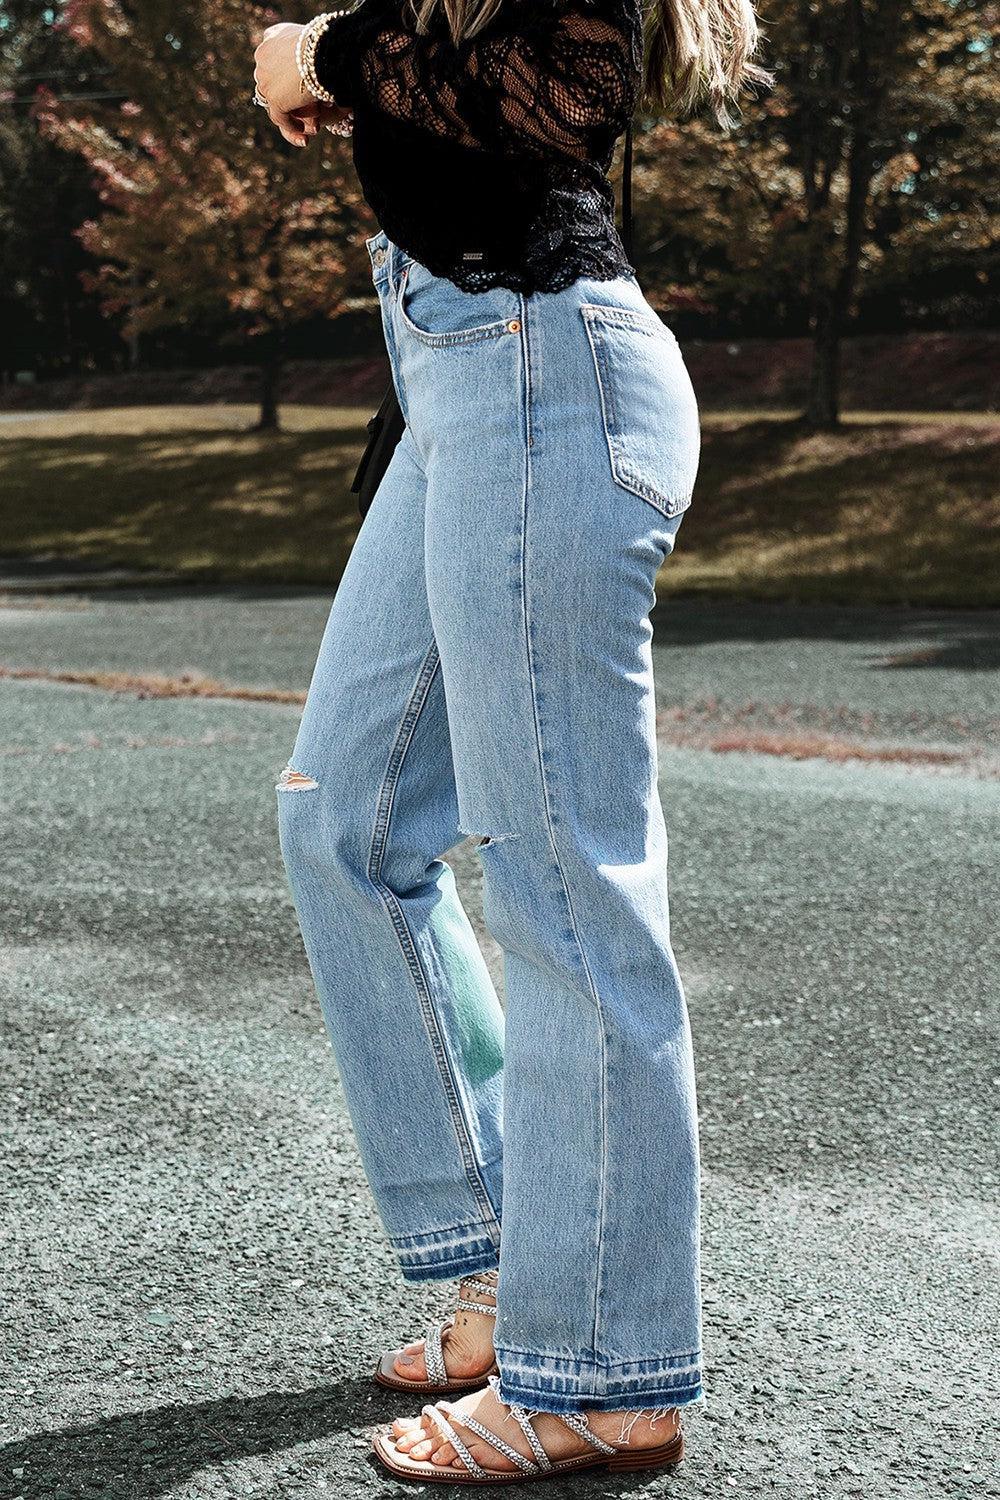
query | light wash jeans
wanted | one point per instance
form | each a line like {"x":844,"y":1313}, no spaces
{"x":486,"y":671}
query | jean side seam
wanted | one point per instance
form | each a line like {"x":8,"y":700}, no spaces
{"x":536,"y":722}
{"x":397,"y":916}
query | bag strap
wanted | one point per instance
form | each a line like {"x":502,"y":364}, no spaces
{"x":627,"y":192}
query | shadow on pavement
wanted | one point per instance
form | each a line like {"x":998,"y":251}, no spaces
{"x":959,"y":640}
{"x":914,"y":637}
{"x":149,"y":1453}
{"x":142,"y":1455}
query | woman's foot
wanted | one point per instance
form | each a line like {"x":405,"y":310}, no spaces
{"x":420,"y":1438}
{"x":466,"y":1342}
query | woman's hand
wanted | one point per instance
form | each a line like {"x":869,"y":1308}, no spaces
{"x":290,"y":106}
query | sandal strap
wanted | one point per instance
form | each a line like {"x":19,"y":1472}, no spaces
{"x":578,"y":1422}
{"x":439,"y":1412}
{"x":480,"y":1307}
{"x":434,"y":1355}
{"x":437,"y":1371}
{"x":575,"y":1420}
{"x":486,"y":1283}
{"x":523,"y":1418}
{"x":519,"y":1459}
{"x":451,"y":1436}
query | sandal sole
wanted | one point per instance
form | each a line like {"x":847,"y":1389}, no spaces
{"x":667,"y":1456}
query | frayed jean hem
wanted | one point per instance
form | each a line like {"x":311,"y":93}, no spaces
{"x":446,"y":1254}
{"x":565,"y":1385}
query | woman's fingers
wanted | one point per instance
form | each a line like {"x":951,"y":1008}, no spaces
{"x":327,"y":114}
{"x":296,"y":131}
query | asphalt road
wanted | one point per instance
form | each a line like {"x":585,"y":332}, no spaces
{"x":195,"y":1286}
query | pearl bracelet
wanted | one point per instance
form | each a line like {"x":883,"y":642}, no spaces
{"x":305,"y":54}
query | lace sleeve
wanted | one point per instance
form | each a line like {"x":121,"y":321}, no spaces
{"x":543,"y":77}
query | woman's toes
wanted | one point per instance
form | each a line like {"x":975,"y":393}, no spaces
{"x":421,"y":1440}
{"x":428,"y":1447}
{"x":409,"y":1363}
{"x":444,"y":1455}
{"x":415,"y":1430}
{"x":405,"y":1426}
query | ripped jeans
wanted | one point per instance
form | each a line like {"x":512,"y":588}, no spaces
{"x":486,"y":671}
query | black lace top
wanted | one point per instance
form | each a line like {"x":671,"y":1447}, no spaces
{"x":488,"y":162}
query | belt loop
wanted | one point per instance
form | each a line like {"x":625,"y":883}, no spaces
{"x":379,"y":252}
{"x":399,"y":260}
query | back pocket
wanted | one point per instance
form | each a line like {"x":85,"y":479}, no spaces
{"x":437,"y":312}
{"x":648,"y":404}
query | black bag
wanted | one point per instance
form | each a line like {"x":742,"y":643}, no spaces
{"x":385,"y":427}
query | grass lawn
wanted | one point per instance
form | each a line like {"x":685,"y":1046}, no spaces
{"x":895,"y":507}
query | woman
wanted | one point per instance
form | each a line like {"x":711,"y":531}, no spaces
{"x":486,"y":671}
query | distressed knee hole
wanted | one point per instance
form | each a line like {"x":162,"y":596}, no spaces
{"x":291,"y":780}
{"x":481,"y":839}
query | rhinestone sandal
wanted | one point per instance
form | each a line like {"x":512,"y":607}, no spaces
{"x":440,"y":1383}
{"x":616,"y":1458}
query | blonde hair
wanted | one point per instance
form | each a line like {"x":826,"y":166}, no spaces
{"x":701,"y":51}
{"x":696,"y":52}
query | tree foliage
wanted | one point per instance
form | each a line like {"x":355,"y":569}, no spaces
{"x":866,"y":179}
{"x":205,"y":211}
{"x":47,"y":320}
{"x":873,"y":158}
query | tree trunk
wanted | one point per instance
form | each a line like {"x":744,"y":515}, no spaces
{"x":270,"y":380}
{"x":823,"y":404}
{"x":832,"y":304}
{"x":134,"y":346}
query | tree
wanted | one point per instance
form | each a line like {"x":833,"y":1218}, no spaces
{"x":879,"y":139}
{"x":48,"y":320}
{"x":206,"y":211}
